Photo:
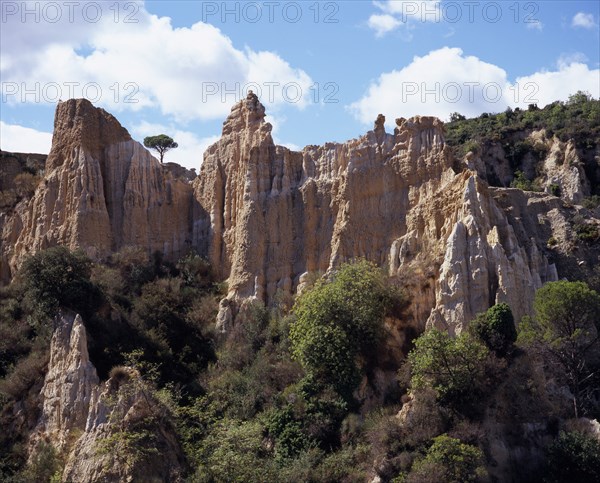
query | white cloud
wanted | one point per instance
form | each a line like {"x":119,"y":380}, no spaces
{"x":583,"y":20}
{"x":19,"y":139}
{"x":446,"y":81}
{"x":191,"y":148}
{"x":397,"y":13}
{"x":535,"y":25}
{"x":550,"y":86}
{"x":189,"y":73}
{"x":421,"y":10}
{"x":437,"y":84}
{"x":383,"y":24}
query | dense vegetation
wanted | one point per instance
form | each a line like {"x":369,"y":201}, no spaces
{"x":290,"y":392}
{"x":577,"y":119}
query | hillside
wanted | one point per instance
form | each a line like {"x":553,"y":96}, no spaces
{"x":355,"y":311}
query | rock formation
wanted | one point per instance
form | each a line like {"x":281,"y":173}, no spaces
{"x":101,"y":191}
{"x":108,"y":431}
{"x":270,"y":219}
{"x":276,"y":217}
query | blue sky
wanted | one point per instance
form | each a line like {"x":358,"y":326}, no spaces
{"x":324,"y":69}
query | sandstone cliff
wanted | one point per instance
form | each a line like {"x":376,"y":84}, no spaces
{"x":104,"y":432}
{"x":277,"y":217}
{"x":270,"y":220}
{"x":101,"y":191}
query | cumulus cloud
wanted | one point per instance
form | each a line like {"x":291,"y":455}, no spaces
{"x":383,"y":24}
{"x":188,"y":73}
{"x":550,"y":86}
{"x":19,"y":139}
{"x":397,"y":13}
{"x":446,"y":81}
{"x":421,"y":10}
{"x":437,"y":84}
{"x":583,"y":20}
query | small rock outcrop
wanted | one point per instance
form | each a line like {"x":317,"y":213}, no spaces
{"x":69,"y":385}
{"x":109,"y":431}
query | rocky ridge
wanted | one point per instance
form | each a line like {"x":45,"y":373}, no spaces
{"x":270,"y":219}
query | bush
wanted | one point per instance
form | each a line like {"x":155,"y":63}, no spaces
{"x":338,"y":321}
{"x":454,"y":367}
{"x":567,"y":322}
{"x":554,"y":189}
{"x":573,"y":457}
{"x":521,"y":182}
{"x":235,"y":451}
{"x":288,"y":433}
{"x":448,"y":460}
{"x":591,"y":202}
{"x":496,"y":328}
{"x":56,"y":278}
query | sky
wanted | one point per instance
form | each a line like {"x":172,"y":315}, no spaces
{"x":323,"y":69}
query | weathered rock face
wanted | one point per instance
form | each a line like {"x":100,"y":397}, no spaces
{"x":101,"y":191}
{"x":270,"y":219}
{"x":105,"y":432}
{"x":561,"y":170}
{"x":276,"y":217}
{"x":69,"y":384}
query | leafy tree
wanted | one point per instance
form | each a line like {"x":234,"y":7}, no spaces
{"x":454,"y":367}
{"x":287,"y":430}
{"x":496,"y":328}
{"x":338,"y":321}
{"x":161,"y":144}
{"x":57,"y":278}
{"x":449,"y":460}
{"x":234,"y":451}
{"x":573,"y":457}
{"x":455,"y":116}
{"x":568,"y":321}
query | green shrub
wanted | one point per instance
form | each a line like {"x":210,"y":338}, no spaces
{"x":454,"y":367}
{"x":56,"y":278}
{"x":45,"y":465}
{"x":521,"y":182}
{"x":496,"y":328}
{"x":573,"y":457}
{"x":448,"y":460}
{"x":236,"y":451}
{"x":287,"y":431}
{"x":591,"y":202}
{"x":554,"y":189}
{"x":338,"y":320}
{"x":586,"y":232}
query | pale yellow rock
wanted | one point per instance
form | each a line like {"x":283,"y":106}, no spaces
{"x":102,"y":191}
{"x":79,"y":413}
